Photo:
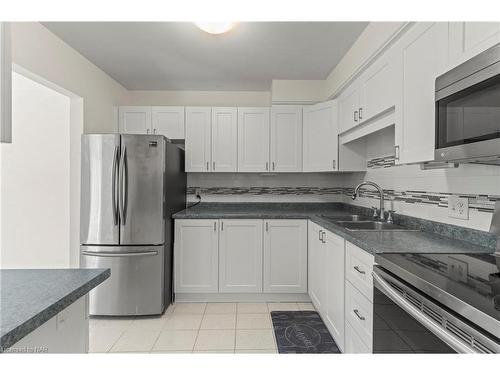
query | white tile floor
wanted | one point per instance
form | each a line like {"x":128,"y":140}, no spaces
{"x":193,"y":328}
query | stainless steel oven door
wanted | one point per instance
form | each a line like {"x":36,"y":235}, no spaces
{"x":407,"y":321}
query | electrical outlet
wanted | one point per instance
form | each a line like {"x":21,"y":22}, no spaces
{"x":197,"y":192}
{"x":458,"y":207}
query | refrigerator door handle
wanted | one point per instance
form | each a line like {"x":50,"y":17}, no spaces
{"x":121,"y":188}
{"x":115,"y":255}
{"x":114,"y":172}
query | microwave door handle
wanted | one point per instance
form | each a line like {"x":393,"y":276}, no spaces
{"x":415,"y":313}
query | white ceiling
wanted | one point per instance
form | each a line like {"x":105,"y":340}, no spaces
{"x":179,"y":56}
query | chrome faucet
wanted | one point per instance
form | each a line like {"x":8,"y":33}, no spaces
{"x":381,"y":192}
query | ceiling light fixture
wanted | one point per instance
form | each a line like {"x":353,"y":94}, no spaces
{"x":215,"y":27}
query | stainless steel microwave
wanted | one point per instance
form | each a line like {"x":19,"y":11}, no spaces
{"x":468,"y":111}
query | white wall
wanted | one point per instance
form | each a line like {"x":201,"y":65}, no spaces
{"x":198,"y":98}
{"x":35,"y":175}
{"x":39,"y":51}
{"x":297,"y":91}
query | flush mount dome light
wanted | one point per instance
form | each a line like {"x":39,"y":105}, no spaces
{"x":215,"y":27}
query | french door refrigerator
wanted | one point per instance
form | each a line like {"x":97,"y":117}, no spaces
{"x":130,"y":187}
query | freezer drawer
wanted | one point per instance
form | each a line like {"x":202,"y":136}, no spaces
{"x":136,"y":284}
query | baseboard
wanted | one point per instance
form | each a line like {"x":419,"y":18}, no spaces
{"x":242,"y":297}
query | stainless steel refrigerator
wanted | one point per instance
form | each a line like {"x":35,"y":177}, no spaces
{"x":130,"y":187}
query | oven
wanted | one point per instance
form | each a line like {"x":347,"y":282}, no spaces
{"x":468,"y":111}
{"x":407,"y":320}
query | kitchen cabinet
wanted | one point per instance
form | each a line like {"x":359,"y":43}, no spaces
{"x":358,"y":269}
{"x":467,"y":39}
{"x":359,"y":314}
{"x":334,"y":308}
{"x":196,"y":256}
{"x":349,"y":103}
{"x":285,"y":256}
{"x":422,"y":54}
{"x":240,"y":256}
{"x":5,"y":84}
{"x":168,"y":121}
{"x":317,"y":273}
{"x":320,"y":140}
{"x":198,"y":139}
{"x":67,"y":332}
{"x":253,"y":139}
{"x":134,"y":120}
{"x":224,"y":139}
{"x":353,"y":343}
{"x":286,"y":138}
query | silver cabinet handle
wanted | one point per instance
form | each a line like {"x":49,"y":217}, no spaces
{"x":357,"y":269}
{"x":147,"y":131}
{"x":273,"y":165}
{"x":114,"y":195}
{"x":419,"y":316}
{"x":267,"y":226}
{"x":267,"y":165}
{"x":323,"y":237}
{"x":355,"y":116}
{"x":360,"y":317}
{"x":319,"y":235}
{"x":215,"y":226}
{"x":334,"y":164}
{"x":208,"y":165}
{"x":114,"y":255}
{"x":213,"y":164}
{"x":221,"y":225}
{"x":396,"y":152}
{"x":360,"y":113}
{"x":154,"y":131}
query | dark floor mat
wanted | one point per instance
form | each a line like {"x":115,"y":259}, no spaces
{"x":302,"y":332}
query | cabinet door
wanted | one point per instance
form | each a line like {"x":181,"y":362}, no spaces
{"x":253,"y":139}
{"x":168,"y":121}
{"x":334,"y":312}
{"x":467,"y":39}
{"x":349,"y":108}
{"x":423,"y":55}
{"x":224,"y":139}
{"x":320,"y":137}
{"x":377,"y":88}
{"x":316,"y":268}
{"x":198,"y":130}
{"x":240,"y":256}
{"x":285,"y":256}
{"x":286,"y":138}
{"x":196,"y":256}
{"x":134,"y":120}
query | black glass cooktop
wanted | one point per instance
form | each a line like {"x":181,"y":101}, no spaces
{"x":468,"y":284}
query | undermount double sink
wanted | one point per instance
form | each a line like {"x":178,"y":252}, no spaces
{"x":359,"y":223}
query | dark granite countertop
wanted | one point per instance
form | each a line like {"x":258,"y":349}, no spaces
{"x":433,"y":237}
{"x":30,"y":297}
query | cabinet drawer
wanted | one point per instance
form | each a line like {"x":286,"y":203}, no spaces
{"x":353,"y":343}
{"x":359,"y":313}
{"x":358,"y":269}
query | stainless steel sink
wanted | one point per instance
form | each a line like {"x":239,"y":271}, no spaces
{"x":345,"y":217}
{"x":358,"y":226}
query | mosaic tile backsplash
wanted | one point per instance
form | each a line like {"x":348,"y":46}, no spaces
{"x":482,"y":203}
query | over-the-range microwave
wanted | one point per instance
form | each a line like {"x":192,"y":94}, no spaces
{"x":468,"y":111}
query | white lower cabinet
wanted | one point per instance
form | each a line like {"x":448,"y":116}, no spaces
{"x":196,"y":256}
{"x":316,"y":267}
{"x":240,"y":256}
{"x":67,"y":332}
{"x":285,"y":256}
{"x":359,"y":313}
{"x":334,"y":309}
{"x":353,"y":343}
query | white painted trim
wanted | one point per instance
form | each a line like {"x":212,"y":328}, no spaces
{"x":242,"y":297}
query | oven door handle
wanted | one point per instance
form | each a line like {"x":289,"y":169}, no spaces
{"x":432,"y":326}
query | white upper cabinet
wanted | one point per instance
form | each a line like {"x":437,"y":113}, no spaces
{"x":285,"y":256}
{"x":5,"y":84}
{"x":224,"y":139}
{"x":467,"y":39}
{"x":196,"y":256}
{"x":423,"y":55}
{"x":134,"y":120}
{"x":168,"y":121}
{"x":286,"y":139}
{"x":320,"y":137}
{"x":377,"y":88}
{"x":240,"y":256}
{"x":349,"y":103}
{"x":253,"y":139}
{"x":198,"y":134}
